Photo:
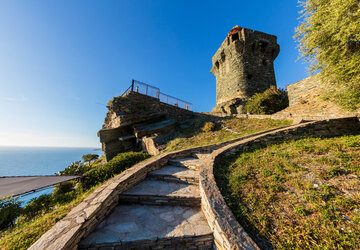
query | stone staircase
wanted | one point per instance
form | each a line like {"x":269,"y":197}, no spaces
{"x":161,"y":212}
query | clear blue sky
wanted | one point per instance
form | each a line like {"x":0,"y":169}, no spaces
{"x":61,"y":61}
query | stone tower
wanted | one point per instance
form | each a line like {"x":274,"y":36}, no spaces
{"x":243,"y":66}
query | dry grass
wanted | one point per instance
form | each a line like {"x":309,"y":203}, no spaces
{"x":200,"y":132}
{"x":299,"y":194}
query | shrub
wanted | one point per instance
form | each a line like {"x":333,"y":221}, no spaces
{"x":208,"y":127}
{"x":76,"y":168}
{"x":62,"y":198}
{"x":270,"y":101}
{"x":10,"y":209}
{"x":89,"y":158}
{"x":115,"y":166}
{"x":63,"y":188}
{"x":37,"y":206}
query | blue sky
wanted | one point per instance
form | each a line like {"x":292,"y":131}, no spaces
{"x":61,"y":61}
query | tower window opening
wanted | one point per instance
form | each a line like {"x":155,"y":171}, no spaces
{"x":235,"y":37}
{"x":253,"y":47}
{"x":263,"y":46}
{"x":217,"y":65}
{"x":263,"y":61}
{"x":222,"y":55}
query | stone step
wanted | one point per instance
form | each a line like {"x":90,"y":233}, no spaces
{"x":175,"y":174}
{"x":162,"y":193}
{"x":201,"y":156}
{"x":151,"y":227}
{"x":190,"y":163}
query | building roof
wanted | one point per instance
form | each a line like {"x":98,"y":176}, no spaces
{"x":17,"y":185}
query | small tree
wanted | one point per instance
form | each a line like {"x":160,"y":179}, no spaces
{"x":329,"y":38}
{"x":270,"y":101}
{"x":89,"y":158}
{"x":10,"y":209}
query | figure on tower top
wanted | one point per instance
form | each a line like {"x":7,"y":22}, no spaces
{"x":243,"y":66}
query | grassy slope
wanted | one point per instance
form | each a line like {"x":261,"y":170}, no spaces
{"x":24,"y":233}
{"x":193,"y":135}
{"x":299,"y":194}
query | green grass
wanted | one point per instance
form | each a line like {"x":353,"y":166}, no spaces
{"x":200,"y":133}
{"x":25,"y":232}
{"x":41,"y":214}
{"x":298,"y":194}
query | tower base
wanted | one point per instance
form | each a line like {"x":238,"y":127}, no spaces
{"x":234,"y":106}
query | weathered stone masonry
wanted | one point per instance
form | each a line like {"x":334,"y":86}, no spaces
{"x":132,"y":117}
{"x":243,"y":66}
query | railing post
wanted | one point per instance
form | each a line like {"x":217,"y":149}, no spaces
{"x":147,"y":86}
{"x":132,"y":86}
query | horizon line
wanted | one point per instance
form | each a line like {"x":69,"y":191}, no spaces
{"x":27,"y":146}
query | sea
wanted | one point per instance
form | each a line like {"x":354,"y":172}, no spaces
{"x":28,"y":161}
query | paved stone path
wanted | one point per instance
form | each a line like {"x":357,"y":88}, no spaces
{"x":161,"y":212}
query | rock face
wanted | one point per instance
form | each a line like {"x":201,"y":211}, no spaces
{"x":243,"y":66}
{"x":135,"y":116}
{"x":305,"y":99}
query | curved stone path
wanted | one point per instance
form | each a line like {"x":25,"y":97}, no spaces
{"x":161,"y":212}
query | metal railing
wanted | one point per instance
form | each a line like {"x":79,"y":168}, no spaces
{"x":146,"y":89}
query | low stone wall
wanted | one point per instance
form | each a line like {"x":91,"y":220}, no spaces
{"x":280,"y":116}
{"x":228,"y":233}
{"x":191,"y":242}
{"x":84,"y":218}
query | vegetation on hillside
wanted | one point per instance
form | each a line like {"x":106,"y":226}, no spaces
{"x":269,"y":102}
{"x":43,"y":212}
{"x":298,"y":194}
{"x":329,"y":38}
{"x":202,"y":131}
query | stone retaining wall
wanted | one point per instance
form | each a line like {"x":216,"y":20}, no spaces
{"x":228,"y":233}
{"x":282,"y":116}
{"x":84,"y":218}
{"x":191,"y":242}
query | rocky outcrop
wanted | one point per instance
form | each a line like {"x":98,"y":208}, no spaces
{"x":134,"y":116}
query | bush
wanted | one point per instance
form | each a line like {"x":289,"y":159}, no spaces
{"x":115,"y":166}
{"x":62,"y":198}
{"x":38,"y":205}
{"x":76,"y":168}
{"x":208,"y":127}
{"x":63,"y":188}
{"x":10,"y":209}
{"x":270,"y":101}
